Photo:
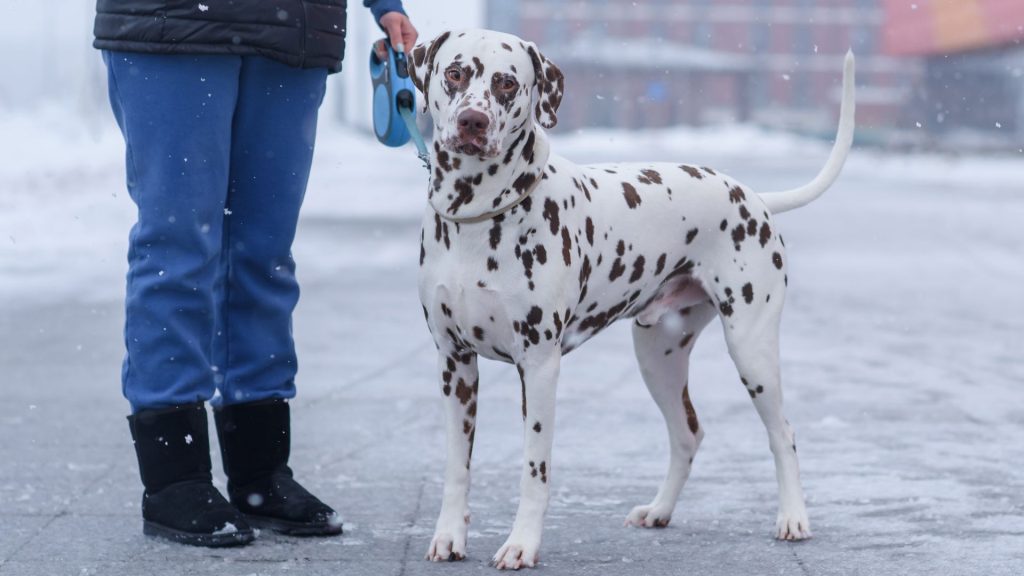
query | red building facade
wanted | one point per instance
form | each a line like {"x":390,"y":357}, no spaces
{"x":973,"y":54}
{"x":939,"y":27}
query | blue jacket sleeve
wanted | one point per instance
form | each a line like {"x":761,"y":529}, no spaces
{"x":382,"y":7}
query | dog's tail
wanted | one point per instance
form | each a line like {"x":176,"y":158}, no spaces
{"x":797,"y":197}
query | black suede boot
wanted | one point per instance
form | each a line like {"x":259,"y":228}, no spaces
{"x":180,"y":502}
{"x":255,"y":442}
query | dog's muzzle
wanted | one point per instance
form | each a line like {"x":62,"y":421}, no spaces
{"x":471,"y":133}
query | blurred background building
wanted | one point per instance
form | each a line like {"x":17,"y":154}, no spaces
{"x":931,"y":73}
{"x":925,"y":67}
{"x":972,"y":82}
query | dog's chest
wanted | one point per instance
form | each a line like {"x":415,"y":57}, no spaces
{"x":503,"y":285}
{"x":467,"y":307}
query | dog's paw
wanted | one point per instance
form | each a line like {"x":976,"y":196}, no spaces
{"x":649,"y":516}
{"x":516,"y":554}
{"x":447,"y":547}
{"x":792,"y":526}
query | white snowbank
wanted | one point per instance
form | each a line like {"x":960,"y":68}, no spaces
{"x":65,"y":214}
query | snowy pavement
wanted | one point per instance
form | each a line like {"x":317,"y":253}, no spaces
{"x":902,"y":352}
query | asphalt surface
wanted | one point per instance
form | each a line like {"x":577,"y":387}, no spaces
{"x":902,"y":367}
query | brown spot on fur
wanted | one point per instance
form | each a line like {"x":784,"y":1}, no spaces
{"x":551,"y":214}
{"x":512,"y":149}
{"x":765,"y":235}
{"x":693,"y":172}
{"x":691,"y":414}
{"x":443,"y":160}
{"x":528,"y":148}
{"x":522,"y":382}
{"x":738,"y":235}
{"x":638,"y":269}
{"x":629,"y":192}
{"x":566,"y":246}
{"x":495,"y":232}
{"x":649,"y":176}
{"x":479,"y":67}
{"x":534,"y":316}
{"x":463,"y":391}
{"x":618,"y":268}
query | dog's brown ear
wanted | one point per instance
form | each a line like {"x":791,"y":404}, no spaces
{"x":423,"y":62}
{"x":550,"y":85}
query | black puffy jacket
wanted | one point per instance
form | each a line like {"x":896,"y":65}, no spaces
{"x":301,"y":33}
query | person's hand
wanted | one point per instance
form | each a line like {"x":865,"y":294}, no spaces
{"x":401,"y":33}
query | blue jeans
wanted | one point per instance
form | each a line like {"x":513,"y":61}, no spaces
{"x":218,"y":156}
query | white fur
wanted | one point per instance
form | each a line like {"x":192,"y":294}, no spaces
{"x":512,"y":288}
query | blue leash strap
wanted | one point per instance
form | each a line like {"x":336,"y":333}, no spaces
{"x":414,"y":133}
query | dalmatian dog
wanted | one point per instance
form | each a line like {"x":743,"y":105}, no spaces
{"x":525,"y":255}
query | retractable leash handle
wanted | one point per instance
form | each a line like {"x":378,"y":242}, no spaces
{"x":394,"y":101}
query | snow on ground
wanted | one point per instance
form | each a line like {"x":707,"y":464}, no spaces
{"x":901,"y":358}
{"x":65,"y":213}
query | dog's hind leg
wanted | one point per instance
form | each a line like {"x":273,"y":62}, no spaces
{"x":459,"y":384}
{"x":663,"y":351}
{"x":752,"y":334}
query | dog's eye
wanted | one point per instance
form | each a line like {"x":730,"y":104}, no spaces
{"x":509,"y":84}
{"x":453,"y":75}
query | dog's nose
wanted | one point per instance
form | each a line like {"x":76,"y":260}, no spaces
{"x":473,"y":122}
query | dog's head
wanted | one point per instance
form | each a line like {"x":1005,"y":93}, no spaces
{"x":482,"y":87}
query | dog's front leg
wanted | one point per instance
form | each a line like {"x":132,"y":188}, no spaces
{"x":539,"y":376}
{"x":459,"y":384}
